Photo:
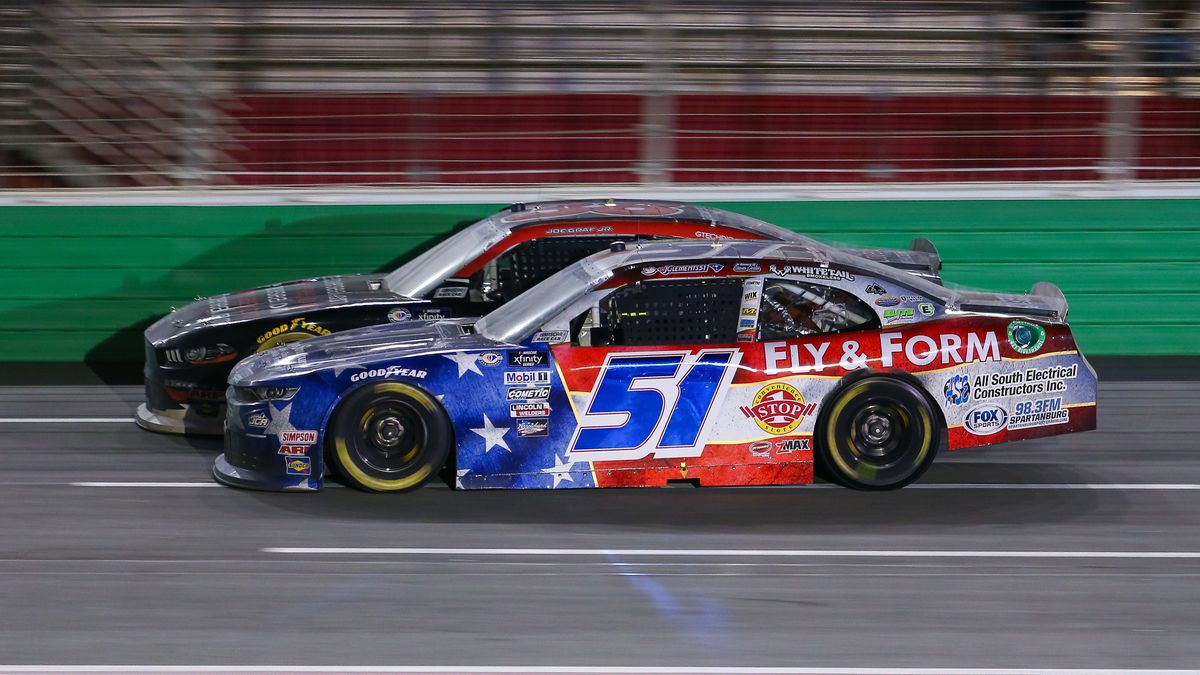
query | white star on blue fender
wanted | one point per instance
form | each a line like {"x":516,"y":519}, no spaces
{"x":281,"y":420}
{"x":492,"y":436}
{"x":465,"y":362}
{"x":560,"y":471}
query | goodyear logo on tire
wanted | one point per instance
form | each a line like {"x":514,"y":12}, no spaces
{"x":778,"y":408}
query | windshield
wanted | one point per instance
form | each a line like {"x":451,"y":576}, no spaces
{"x":420,"y":275}
{"x":757,"y":226}
{"x":534,"y":307}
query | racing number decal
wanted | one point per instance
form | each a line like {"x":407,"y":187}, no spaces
{"x":657,"y":403}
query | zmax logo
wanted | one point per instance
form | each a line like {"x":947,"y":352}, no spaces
{"x":986,"y":419}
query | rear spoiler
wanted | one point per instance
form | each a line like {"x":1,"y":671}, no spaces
{"x":920,"y":259}
{"x":1044,"y":301}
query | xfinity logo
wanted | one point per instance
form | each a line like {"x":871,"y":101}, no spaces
{"x":528,"y":358}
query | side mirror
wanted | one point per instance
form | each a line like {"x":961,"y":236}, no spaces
{"x":601,"y":336}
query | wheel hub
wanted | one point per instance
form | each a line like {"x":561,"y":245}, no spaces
{"x":876,"y":429}
{"x":387,"y":432}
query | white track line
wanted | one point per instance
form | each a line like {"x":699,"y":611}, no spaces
{"x":725,"y":553}
{"x":65,"y":420}
{"x":149,"y":484}
{"x":592,"y":670}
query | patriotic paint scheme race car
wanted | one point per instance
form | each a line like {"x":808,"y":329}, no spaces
{"x":725,"y":363}
{"x":190,"y":352}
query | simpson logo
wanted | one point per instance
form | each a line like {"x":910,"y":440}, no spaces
{"x":528,"y":358}
{"x":532,"y":409}
{"x":294,"y":450}
{"x":778,"y":408}
{"x":526,"y":377}
{"x":490,"y":359}
{"x":986,"y":419}
{"x":298,"y":436}
{"x":533,"y":427}
{"x":399,"y":314}
{"x":299,"y":466}
{"x":528,"y":394}
{"x":258,"y":419}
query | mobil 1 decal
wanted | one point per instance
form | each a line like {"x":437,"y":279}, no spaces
{"x":652,"y":404}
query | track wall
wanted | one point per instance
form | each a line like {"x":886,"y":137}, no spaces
{"x":81,"y":282}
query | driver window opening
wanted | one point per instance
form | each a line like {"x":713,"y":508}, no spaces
{"x":792,"y":309}
{"x":529,"y":263}
{"x":691,"y":311}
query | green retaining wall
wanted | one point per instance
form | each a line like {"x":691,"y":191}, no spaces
{"x":82,"y":282}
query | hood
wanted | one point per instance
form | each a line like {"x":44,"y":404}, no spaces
{"x":360,"y":348}
{"x":277,"y":300}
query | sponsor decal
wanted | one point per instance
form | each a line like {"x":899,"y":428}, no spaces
{"x":299,"y":466}
{"x":434,"y":313}
{"x":490,"y":359}
{"x":887,"y":301}
{"x":533,"y":427}
{"x":778,"y":408}
{"x":809,"y":272}
{"x":528,"y":358}
{"x":527,"y":393}
{"x":920,"y":350}
{"x":258,"y":419}
{"x":667,"y":270}
{"x":335,"y":288}
{"x":1025,"y":337}
{"x":1040,"y":413}
{"x":550,"y":336}
{"x":529,"y":409}
{"x":589,"y":229}
{"x":898,"y":315}
{"x":526,"y":377}
{"x":298,"y":436}
{"x":875,"y":289}
{"x":277,"y":297}
{"x":219,"y":304}
{"x":749,"y":311}
{"x":450,"y":292}
{"x":296,"y":324}
{"x":746,"y":337}
{"x":390,"y":371}
{"x":750,"y":297}
{"x":784,"y":446}
{"x":984,"y":420}
{"x":700,"y":234}
{"x":1031,"y":381}
{"x":400,"y":314}
{"x":747,"y":267}
{"x":958,"y":390}
{"x":760,"y":448}
{"x":294,"y":450}
{"x":926,"y":309}
{"x":745,"y":323}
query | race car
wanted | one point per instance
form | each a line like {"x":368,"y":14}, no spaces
{"x":190,"y":352}
{"x":724,"y":363}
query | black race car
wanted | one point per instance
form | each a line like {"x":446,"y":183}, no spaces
{"x":190,"y":352}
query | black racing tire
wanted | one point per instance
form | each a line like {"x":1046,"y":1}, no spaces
{"x":877,"y":433}
{"x":389,"y":437}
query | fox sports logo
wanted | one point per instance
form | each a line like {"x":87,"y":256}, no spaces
{"x":958,"y":390}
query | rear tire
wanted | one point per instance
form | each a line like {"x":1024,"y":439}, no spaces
{"x":877,"y":433}
{"x":389,"y":437}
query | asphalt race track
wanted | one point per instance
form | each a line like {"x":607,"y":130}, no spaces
{"x":1078,"y":552}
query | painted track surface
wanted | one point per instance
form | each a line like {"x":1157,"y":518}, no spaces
{"x":179,"y":575}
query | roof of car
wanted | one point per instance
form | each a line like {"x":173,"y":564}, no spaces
{"x":577,"y":210}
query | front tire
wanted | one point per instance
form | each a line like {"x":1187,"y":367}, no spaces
{"x":877,"y":433}
{"x":389,"y":437}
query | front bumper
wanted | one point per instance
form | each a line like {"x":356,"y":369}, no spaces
{"x":256,"y":458}
{"x":182,"y":400}
{"x":182,"y":420}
